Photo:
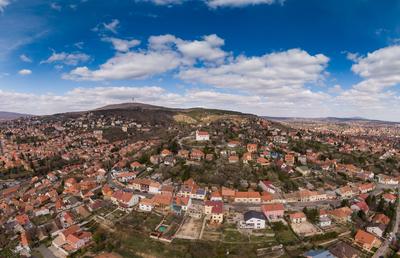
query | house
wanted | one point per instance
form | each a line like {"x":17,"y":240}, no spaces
{"x":376,"y":229}
{"x":273,"y":212}
{"x":253,"y":220}
{"x":197,"y":154}
{"x":136,"y":165}
{"x":66,"y":219}
{"x":227,"y":194}
{"x":360,"y":206}
{"x":125,"y":177}
{"x":71,"y":239}
{"x":233,"y":159}
{"x":180,"y":204}
{"x":366,"y":240}
{"x":124,"y":199}
{"x":344,"y":250}
{"x":233,"y":144}
{"x":365,"y":188}
{"x":202,"y":136}
{"x":267,"y":186}
{"x":183,"y":154}
{"x":390,"y":198}
{"x":262,"y":161}
{"x":154,"y":187}
{"x":215,"y":209}
{"x":341,"y":215}
{"x":247,"y":157}
{"x":381,"y":218}
{"x":319,"y":254}
{"x":25,"y":242}
{"x":297,"y":218}
{"x":345,"y":192}
{"x":247,"y":197}
{"x":324,"y":220}
{"x":162,"y":201}
{"x":252,"y":147}
{"x":78,"y":240}
{"x":146,"y":205}
{"x":387,"y":180}
{"x":216,"y":196}
{"x":165,"y":152}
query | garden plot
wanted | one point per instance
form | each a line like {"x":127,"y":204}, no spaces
{"x":190,"y":229}
{"x":305,"y":229}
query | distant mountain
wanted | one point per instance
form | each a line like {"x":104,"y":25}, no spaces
{"x":331,"y":119}
{"x":145,"y":113}
{"x":10,"y":115}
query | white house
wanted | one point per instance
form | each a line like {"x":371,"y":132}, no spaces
{"x":376,"y":229}
{"x":146,"y":205}
{"x":154,"y":187}
{"x":202,"y":136}
{"x":267,"y":186}
{"x":125,"y":199}
{"x":253,"y":220}
{"x":324,"y":220}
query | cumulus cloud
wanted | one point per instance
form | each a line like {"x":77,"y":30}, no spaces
{"x":206,"y":49}
{"x":375,"y":94}
{"x":165,"y":53}
{"x":285,"y":75}
{"x":112,"y":26}
{"x":72,"y":59}
{"x":79,"y":99}
{"x":3,"y":4}
{"x":163,"y":2}
{"x":25,"y":58}
{"x":55,"y":6}
{"x":131,"y":65}
{"x":379,"y":69}
{"x":24,"y":72}
{"x":278,"y":73}
{"x":122,"y":45}
{"x":240,"y":3}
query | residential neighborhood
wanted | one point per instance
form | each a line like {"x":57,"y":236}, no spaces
{"x":76,"y":186}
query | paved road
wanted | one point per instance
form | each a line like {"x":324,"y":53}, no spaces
{"x":382,"y":251}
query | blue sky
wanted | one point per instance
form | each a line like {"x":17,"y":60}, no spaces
{"x":307,"y":58}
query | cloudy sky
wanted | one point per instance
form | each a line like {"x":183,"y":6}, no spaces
{"x":307,"y":58}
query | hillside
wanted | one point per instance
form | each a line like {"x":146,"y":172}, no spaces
{"x":10,"y":115}
{"x":157,"y":114}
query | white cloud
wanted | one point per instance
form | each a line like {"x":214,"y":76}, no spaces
{"x":165,"y":53}
{"x":375,"y":95}
{"x":79,"y":44}
{"x":25,"y":58}
{"x":122,"y":45}
{"x":240,"y":3}
{"x":283,"y":75}
{"x":25,"y":72}
{"x":379,"y":69}
{"x":207,"y":49}
{"x":3,"y":4}
{"x":276,"y":74}
{"x":79,"y":99}
{"x":112,"y":26}
{"x":72,"y":59}
{"x":355,"y":57}
{"x":163,"y":2}
{"x":55,"y":6}
{"x":130,"y":65}
{"x":335,"y":89}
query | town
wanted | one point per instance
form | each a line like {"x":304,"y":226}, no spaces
{"x":145,"y":181}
